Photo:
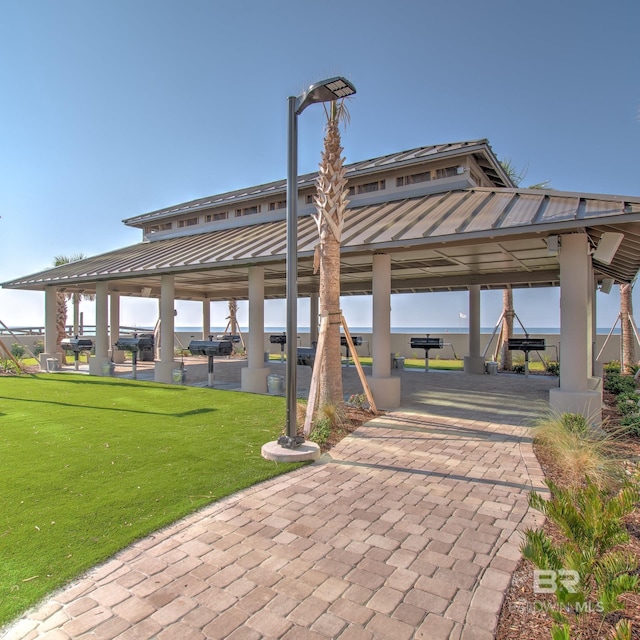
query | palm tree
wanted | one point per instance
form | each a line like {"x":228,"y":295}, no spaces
{"x":506,"y":361}
{"x":628,"y":338}
{"x":331,"y":203}
{"x":61,"y":302}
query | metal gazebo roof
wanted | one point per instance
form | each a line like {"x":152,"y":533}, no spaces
{"x":494,"y":237}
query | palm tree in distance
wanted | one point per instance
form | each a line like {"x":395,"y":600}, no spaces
{"x":628,"y":337}
{"x":331,"y":203}
{"x":517,"y":176}
{"x":506,"y":362}
{"x":61,"y":302}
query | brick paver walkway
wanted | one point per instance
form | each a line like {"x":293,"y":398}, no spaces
{"x":408,"y":529}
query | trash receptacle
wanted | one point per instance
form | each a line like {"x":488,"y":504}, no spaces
{"x":491,"y":368}
{"x":275,"y":384}
{"x":398,"y":362}
{"x":108,"y":368}
{"x":53,"y":364}
{"x":179,"y":376}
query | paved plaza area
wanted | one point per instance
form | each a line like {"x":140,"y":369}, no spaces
{"x":408,"y":528}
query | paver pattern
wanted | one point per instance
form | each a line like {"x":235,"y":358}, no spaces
{"x":408,"y":529}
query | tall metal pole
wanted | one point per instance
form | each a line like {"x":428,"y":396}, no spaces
{"x":292,"y":272}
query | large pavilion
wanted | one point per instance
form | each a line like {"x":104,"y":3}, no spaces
{"x":436,"y":218}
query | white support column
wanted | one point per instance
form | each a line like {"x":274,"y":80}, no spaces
{"x":50,"y":328}
{"x":313,"y":318}
{"x":206,"y":318}
{"x":385,"y":388}
{"x":597,"y":367}
{"x":163,"y":371}
{"x":102,"y":330}
{"x":114,"y":326}
{"x":254,"y":376}
{"x":474,"y":362}
{"x":579,"y":392}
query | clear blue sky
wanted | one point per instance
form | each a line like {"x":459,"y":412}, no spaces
{"x":110,"y":109}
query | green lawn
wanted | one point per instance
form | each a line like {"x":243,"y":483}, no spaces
{"x":91,"y":464}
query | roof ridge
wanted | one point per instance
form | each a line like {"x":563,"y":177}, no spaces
{"x":276,"y":184}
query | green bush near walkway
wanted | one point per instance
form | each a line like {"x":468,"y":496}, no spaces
{"x":91,"y":464}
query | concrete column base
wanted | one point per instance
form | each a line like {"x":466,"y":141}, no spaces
{"x":305,"y":452}
{"x":587,"y":403}
{"x":474,"y":364}
{"x":386,"y":392}
{"x":42,"y":360}
{"x":117,"y":355}
{"x":95,"y":365}
{"x":254,"y":380}
{"x":163,"y":371}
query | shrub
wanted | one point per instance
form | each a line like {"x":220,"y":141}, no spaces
{"x":553,"y":368}
{"x":359,"y":400}
{"x":575,"y":423}
{"x":627,"y":403}
{"x":617,"y":383}
{"x":590,"y":520}
{"x":18,"y":351}
{"x":631,"y":423}
{"x":321,"y":433}
{"x":578,"y":449}
{"x":612,"y":367}
{"x":518,"y":368}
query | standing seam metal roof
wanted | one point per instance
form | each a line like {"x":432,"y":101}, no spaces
{"x":458,"y":216}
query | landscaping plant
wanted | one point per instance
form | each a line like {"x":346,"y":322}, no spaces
{"x":590,"y":520}
{"x":578,"y":449}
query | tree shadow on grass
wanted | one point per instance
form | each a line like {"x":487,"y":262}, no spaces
{"x":178,"y":414}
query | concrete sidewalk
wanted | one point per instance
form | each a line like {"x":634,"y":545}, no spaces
{"x":408,"y":529}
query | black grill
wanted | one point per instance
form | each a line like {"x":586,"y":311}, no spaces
{"x":426,"y":343}
{"x":306,"y":356}
{"x":138,"y":346}
{"x":230,"y":337}
{"x":76,"y":345}
{"x":210,"y":347}
{"x":526,"y":344}
{"x":281,"y":339}
{"x":357,"y":341}
{"x":141,"y":345}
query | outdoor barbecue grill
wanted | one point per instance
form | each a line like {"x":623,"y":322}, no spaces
{"x":306,"y":356}
{"x":210,"y":348}
{"x":137,"y":346}
{"x":357,"y":341}
{"x":76,"y":346}
{"x":281,"y":339}
{"x":426,"y":344}
{"x":230,"y":337}
{"x":526,"y":344}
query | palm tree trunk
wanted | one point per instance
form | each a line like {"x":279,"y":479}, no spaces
{"x":506,"y":361}
{"x":61,"y":320}
{"x":627,"y":337}
{"x":330,"y":383}
{"x":331,"y":203}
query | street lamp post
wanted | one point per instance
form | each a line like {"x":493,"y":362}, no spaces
{"x":323,"y":91}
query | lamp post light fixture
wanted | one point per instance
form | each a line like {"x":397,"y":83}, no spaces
{"x":323,"y":91}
